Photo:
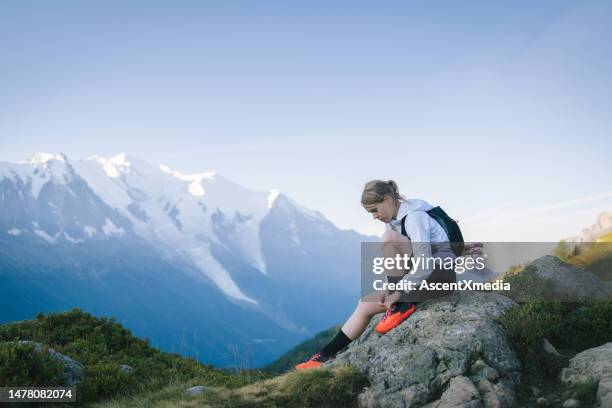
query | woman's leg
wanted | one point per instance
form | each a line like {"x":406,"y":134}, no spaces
{"x":357,"y":323}
{"x":352,"y":329}
{"x":393,"y":244}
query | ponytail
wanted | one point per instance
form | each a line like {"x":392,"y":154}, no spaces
{"x":375,"y":192}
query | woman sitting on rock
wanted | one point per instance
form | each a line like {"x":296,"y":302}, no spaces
{"x":409,"y":229}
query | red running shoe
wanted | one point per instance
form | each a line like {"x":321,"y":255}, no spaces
{"x":313,"y":362}
{"x":393,"y":318}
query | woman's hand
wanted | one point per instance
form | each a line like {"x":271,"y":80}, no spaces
{"x":390,"y":298}
{"x":382,"y":296}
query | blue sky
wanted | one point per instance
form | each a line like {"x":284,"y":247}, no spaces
{"x":498,"y":111}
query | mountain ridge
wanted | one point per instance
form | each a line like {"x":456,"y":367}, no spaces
{"x":601,"y":227}
{"x":118,"y":230}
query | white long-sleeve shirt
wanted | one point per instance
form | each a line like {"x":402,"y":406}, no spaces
{"x":422,"y":231}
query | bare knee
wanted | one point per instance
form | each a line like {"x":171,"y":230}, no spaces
{"x":392,"y":236}
{"x":368,"y":309}
{"x":395,"y":243}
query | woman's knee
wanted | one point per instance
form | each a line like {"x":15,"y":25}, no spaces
{"x":392,"y":236}
{"x":369,"y":308}
{"x":395,"y":243}
{"x":395,"y":239}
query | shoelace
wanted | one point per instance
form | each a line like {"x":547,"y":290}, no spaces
{"x":314,"y":358}
{"x":388,"y":313}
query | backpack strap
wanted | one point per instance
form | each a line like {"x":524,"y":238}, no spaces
{"x":404,"y":233}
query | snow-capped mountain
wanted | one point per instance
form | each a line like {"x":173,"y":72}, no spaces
{"x":178,"y":211}
{"x":259,"y":251}
{"x":44,"y":197}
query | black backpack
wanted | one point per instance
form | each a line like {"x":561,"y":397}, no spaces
{"x":449,"y":226}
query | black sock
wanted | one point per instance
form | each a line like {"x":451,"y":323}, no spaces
{"x":401,"y":306}
{"x":336,"y":344}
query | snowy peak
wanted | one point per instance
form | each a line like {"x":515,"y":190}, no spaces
{"x":272,"y":196}
{"x":114,"y":166}
{"x":37,"y":171}
{"x":196,"y":188}
{"x":44,"y":158}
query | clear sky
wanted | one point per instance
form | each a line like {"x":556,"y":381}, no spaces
{"x":498,"y":111}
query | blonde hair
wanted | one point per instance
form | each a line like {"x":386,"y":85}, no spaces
{"x":375,"y":191}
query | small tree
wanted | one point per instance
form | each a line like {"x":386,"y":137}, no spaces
{"x":563,"y":251}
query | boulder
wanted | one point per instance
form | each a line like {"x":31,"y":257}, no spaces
{"x":450,"y":353}
{"x":74,"y":372}
{"x":460,"y":393}
{"x":594,"y":364}
{"x":567,"y":282}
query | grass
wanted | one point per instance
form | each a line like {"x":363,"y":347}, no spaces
{"x":323,"y":388}
{"x":312,"y":388}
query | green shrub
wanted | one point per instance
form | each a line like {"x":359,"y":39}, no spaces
{"x":563,"y":251}
{"x":586,"y":392}
{"x":587,"y":326}
{"x":570,"y":326}
{"x":526,"y":326}
{"x":105,"y":380}
{"x":21,"y":366}
{"x":323,"y":388}
{"x":101,"y":345}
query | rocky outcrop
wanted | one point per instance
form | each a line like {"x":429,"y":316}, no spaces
{"x":602,"y":226}
{"x":450,"y":353}
{"x":567,"y":282}
{"x":592,"y":365}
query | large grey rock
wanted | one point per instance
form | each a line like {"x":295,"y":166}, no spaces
{"x":594,"y":364}
{"x":568,"y":283}
{"x":74,"y":372}
{"x":571,"y":403}
{"x":460,"y":393}
{"x":450,"y":351}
